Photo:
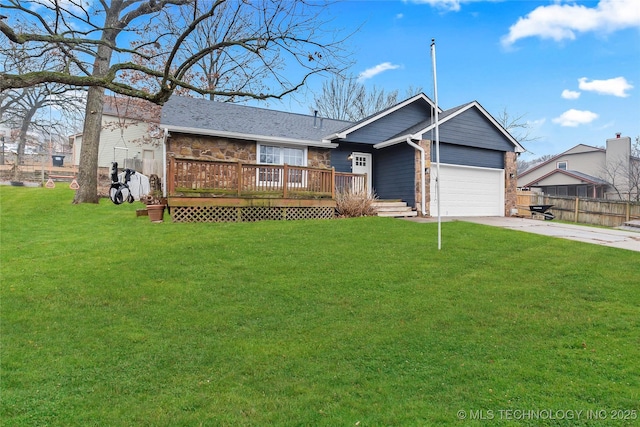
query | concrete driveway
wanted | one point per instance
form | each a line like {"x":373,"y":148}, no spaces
{"x":622,"y":239}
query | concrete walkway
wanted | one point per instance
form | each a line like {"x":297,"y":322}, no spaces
{"x":622,"y":239}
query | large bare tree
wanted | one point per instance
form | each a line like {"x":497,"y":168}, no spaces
{"x":105,"y":45}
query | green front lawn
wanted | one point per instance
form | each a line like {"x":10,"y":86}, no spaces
{"x":108,"y":319}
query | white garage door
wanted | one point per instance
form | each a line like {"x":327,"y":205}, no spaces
{"x":468,"y":191}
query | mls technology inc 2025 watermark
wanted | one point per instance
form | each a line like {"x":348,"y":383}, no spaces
{"x":548,"y":414}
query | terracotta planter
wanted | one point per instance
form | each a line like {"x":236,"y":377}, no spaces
{"x":156,"y":213}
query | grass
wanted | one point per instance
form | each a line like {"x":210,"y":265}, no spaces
{"x":108,"y":319}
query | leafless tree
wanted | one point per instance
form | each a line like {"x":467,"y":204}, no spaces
{"x":25,"y":109}
{"x":634,"y":170}
{"x":521,"y":130}
{"x":234,"y":70}
{"x":345,"y":98}
{"x":93,"y":40}
{"x":623,"y":173}
{"x":523,"y":165}
{"x":615,"y":172}
{"x":517,"y":126}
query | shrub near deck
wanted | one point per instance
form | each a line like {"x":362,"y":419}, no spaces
{"x":108,"y":319}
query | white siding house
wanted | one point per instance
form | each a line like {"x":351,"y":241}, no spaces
{"x":130,"y":136}
{"x":585,"y":171}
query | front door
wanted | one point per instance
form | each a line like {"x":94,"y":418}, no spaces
{"x":361,"y":164}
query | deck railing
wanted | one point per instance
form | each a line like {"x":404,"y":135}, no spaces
{"x":236,"y":179}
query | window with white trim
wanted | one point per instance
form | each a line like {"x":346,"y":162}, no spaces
{"x":279,"y":155}
{"x":561,"y":165}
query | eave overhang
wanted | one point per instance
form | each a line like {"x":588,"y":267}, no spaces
{"x":398,"y":140}
{"x":581,"y":177}
{"x":251,"y":137}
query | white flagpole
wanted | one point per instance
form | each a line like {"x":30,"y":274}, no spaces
{"x":435,"y":96}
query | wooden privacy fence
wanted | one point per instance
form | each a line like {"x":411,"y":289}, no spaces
{"x":189,"y":177}
{"x":609,"y":213}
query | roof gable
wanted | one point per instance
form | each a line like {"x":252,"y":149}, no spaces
{"x":582,"y":148}
{"x":471,"y":125}
{"x":391,"y":123}
{"x":470,"y":119}
{"x":419,"y":101}
{"x":576,"y":150}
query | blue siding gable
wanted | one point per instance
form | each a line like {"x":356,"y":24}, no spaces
{"x":390,"y":125}
{"x":473,"y":129}
{"x":468,"y":156}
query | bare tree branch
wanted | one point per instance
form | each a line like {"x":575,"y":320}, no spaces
{"x":345,"y":98}
{"x":256,"y":39}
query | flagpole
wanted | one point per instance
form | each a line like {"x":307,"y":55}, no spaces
{"x":435,"y":96}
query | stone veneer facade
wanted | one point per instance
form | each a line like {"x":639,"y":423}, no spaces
{"x":232,"y":150}
{"x":426,"y":145}
{"x":211,"y":148}
{"x":511,"y":182}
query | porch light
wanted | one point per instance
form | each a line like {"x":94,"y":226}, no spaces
{"x":350,"y":157}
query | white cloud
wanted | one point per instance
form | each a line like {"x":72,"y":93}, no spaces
{"x":373,"y":71}
{"x":616,"y":87}
{"x":447,"y":5}
{"x":399,"y":16}
{"x":570,"y":94}
{"x":536,"y":123}
{"x":574,"y":118}
{"x":562,"y":21}
{"x":450,"y":5}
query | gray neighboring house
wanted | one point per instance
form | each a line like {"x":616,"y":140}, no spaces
{"x":394,"y":148}
{"x":586,"y":171}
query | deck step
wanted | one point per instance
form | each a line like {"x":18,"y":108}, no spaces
{"x":398,"y":214}
{"x":391,"y":205}
{"x":393,"y":209}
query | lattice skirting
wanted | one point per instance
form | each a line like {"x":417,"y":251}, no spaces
{"x":248,"y":213}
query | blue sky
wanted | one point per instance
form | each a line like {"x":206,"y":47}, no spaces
{"x":571,"y":68}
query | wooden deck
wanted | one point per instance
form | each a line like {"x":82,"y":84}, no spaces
{"x":218,"y":191}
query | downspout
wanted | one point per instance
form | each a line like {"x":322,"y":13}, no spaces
{"x":164,"y":162}
{"x":423,"y":186}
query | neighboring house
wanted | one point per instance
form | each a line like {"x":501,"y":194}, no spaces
{"x":394,"y":148}
{"x":130,"y":136}
{"x":586,"y":171}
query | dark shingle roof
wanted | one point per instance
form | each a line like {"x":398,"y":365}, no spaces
{"x":205,"y":115}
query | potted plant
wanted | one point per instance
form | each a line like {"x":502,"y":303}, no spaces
{"x":156,"y":203}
